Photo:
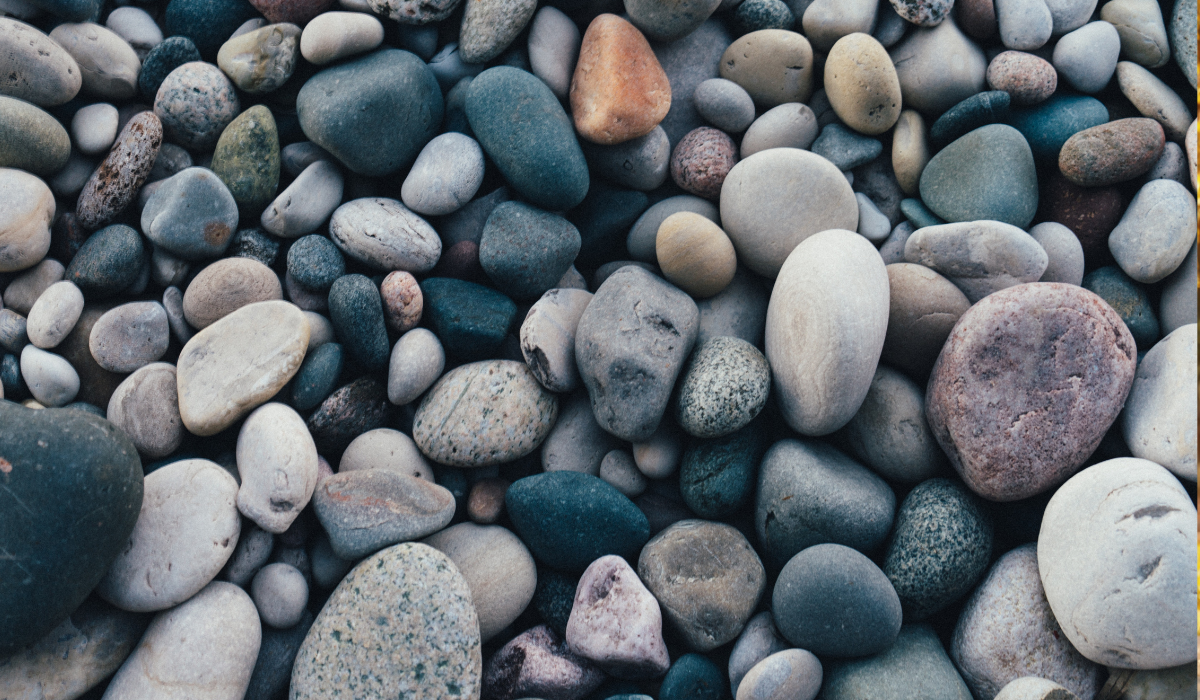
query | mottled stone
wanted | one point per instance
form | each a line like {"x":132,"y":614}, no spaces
{"x":489,"y":26}
{"x":195,"y":103}
{"x":368,"y":509}
{"x":247,"y":158}
{"x":1110,"y":153}
{"x":724,"y":386}
{"x":113,"y":186}
{"x":261,"y":60}
{"x":417,"y":12}
{"x":616,"y":622}
{"x":1026,"y":78}
{"x":538,"y":663}
{"x":347,"y":413}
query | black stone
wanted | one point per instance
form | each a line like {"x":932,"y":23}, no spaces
{"x":108,"y":262}
{"x":356,"y":311}
{"x":208,"y":23}
{"x":977,"y":110}
{"x":318,"y":376}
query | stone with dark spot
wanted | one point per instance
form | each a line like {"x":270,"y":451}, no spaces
{"x":538,"y":664}
{"x":115,"y":183}
{"x":107,"y":262}
{"x":923,"y":13}
{"x":72,"y":491}
{"x":1113,"y":152}
{"x":471,"y":320}
{"x":724,"y":387}
{"x":1129,"y":299}
{"x":1028,"y":383}
{"x":191,"y":215}
{"x":350,"y":411}
{"x":701,"y":160}
{"x":356,"y":311}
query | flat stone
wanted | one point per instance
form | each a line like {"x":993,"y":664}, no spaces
{"x":862,"y":85}
{"x":191,"y":215}
{"x":914,"y":668}
{"x":31,"y":139}
{"x":695,"y":254}
{"x":1156,"y":232}
{"x":890,"y":434}
{"x":1045,"y":414}
{"x":689,"y":61}
{"x":979,"y":257}
{"x":262,"y":60}
{"x":616,"y":622}
{"x":40,"y":70}
{"x":369,"y":509}
{"x":1090,"y":212}
{"x":247,"y":158}
{"x":384,"y":234}
{"x":844,"y":148}
{"x":108,"y":65}
{"x":446,"y":175}
{"x":773,"y":65}
{"x":416,"y":362}
{"x":130,"y":336}
{"x":135,"y":26}
{"x":226,"y":286}
{"x":538,"y":663}
{"x":978,"y":18}
{"x":1154,"y":99}
{"x":739,"y":311}
{"x":938,"y":67}
{"x":1087,"y":57}
{"x":471,"y":320}
{"x":987,"y":174}
{"x":331,"y":36}
{"x":1157,"y":418}
{"x":413,"y":13}
{"x":979,"y":110}
{"x":94,"y":128}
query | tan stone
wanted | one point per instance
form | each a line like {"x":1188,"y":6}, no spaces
{"x":773,"y":65}
{"x":695,"y":254}
{"x":1154,"y":99}
{"x":861,"y":84}
{"x":619,"y":91}
{"x":24,"y":219}
{"x":262,"y":60}
{"x":910,"y":151}
{"x":226,"y":286}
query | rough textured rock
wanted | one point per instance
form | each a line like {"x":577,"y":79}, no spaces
{"x":114,"y":185}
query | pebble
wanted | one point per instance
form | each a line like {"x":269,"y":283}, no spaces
{"x":783,"y":190}
{"x":225,"y":286}
{"x":51,"y":379}
{"x":1177,"y":306}
{"x":616,"y":622}
{"x":740,"y":311}
{"x":914,"y":668}
{"x":923,"y":13}
{"x":446,"y":175}
{"x":938,"y":67}
{"x":25,"y":224}
{"x":1015,"y":430}
{"x":384,"y":448}
{"x":384,"y":234}
{"x":1087,"y":57}
{"x":332,"y":36}
{"x":195,"y":103}
{"x":620,"y":471}
{"x":693,"y":676}
{"x":724,"y":386}
{"x":403,"y":303}
{"x":94,"y":128}
{"x":135,"y":26}
{"x":889,"y":432}
{"x":806,"y":297}
{"x":347,"y":413}
{"x":1063,"y":250}
{"x":1032,"y":688}
{"x":553,"y":49}
{"x":539,"y":663}
{"x":280,"y":593}
{"x":1008,"y":611}
{"x":639,"y":164}
{"x":231,"y":367}
{"x":844,"y":148}
{"x":187,"y":530}
{"x":416,"y":362}
{"x":1140,"y":26}
{"x":629,"y":376}
{"x":753,"y":15}
{"x":277,"y":465}
{"x":774,"y":66}
{"x":427,"y":646}
{"x":54,"y":314}
{"x":789,"y":125}
{"x":1154,"y":99}
{"x":717,"y":476}
{"x":13,"y":330}
{"x":758,"y":640}
{"x":488,"y":27}
{"x":987,"y":174}
{"x":471,"y":320}
{"x":113,"y":186}
{"x":145,"y":406}
{"x":1156,"y":232}
{"x":707,"y":578}
{"x":356,"y":310}
{"x":695,"y":254}
{"x":669,"y":23}
{"x":576,"y":442}
{"x":191,"y":215}
{"x":366,"y":510}
{"x":315,"y":263}
{"x":1113,"y":152}
{"x":108,"y":65}
{"x":1183,"y":40}
{"x":497,"y":567}
{"x":161,"y":60}
{"x":862,"y":85}
{"x":486,"y":400}
{"x":40,"y":70}
{"x":619,"y":91}
{"x":825,"y":23}
{"x":525,"y":250}
{"x":214,"y":635}
{"x":1156,"y":420}
{"x":643,"y":235}
{"x":724,"y":104}
{"x":979,"y":257}
{"x":485,"y":503}
{"x":1028,"y":79}
{"x":1083,"y":549}
{"x":547,"y":338}
{"x":701,"y":161}
{"x":1128,"y":299}
{"x":1090,"y":212}
{"x":24,"y":290}
{"x":832,"y":600}
{"x":31,"y":139}
{"x":1024,"y":25}
{"x":873,"y":225}
{"x":791,"y":673}
{"x":375,"y":113}
{"x":976,"y":111}
{"x":130,"y":336}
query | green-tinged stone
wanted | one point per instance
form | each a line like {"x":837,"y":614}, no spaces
{"x":987,"y":174}
{"x":31,"y":139}
{"x":247,"y":158}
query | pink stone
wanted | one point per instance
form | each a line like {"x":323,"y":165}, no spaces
{"x":403,"y":302}
{"x":538,"y":664}
{"x":701,"y":160}
{"x":616,"y":622}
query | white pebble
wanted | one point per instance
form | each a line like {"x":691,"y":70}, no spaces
{"x":94,"y":128}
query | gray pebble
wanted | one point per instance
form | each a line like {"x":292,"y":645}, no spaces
{"x":1024,"y":24}
{"x":253,"y":551}
{"x":739,"y":310}
{"x":548,"y":338}
{"x":758,"y":640}
{"x":1171,"y":165}
{"x":892,"y":250}
{"x":50,"y":378}
{"x":171,"y":159}
{"x":1159,"y":418}
{"x":54,"y":314}
{"x":146,"y":407}
{"x":914,"y":668}
{"x":639,"y":164}
{"x":445,"y":176}
{"x":1064,"y":251}
{"x":385,"y":448}
{"x":130,"y":336}
{"x":845,"y":148}
{"x":1178,"y":304}
{"x":191,"y":214}
{"x":167,"y":270}
{"x":621,"y":472}
{"x":789,"y":125}
{"x":872,"y":224}
{"x":553,"y":49}
{"x":328,"y":568}
{"x":417,"y":360}
{"x":576,"y":443}
{"x":890,"y":433}
{"x":1086,"y":58}
{"x":1156,"y":232}
{"x":979,"y":257}
{"x":13,"y":336}
{"x":23,"y":291}
{"x":173,"y":304}
{"x":724,"y":104}
{"x":296,"y":157}
{"x":791,"y":674}
{"x":69,"y":181}
{"x":280,"y":593}
{"x":307,"y":202}
{"x":449,"y":67}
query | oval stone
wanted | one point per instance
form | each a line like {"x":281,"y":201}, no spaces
{"x":108,"y":65}
{"x":31,"y":139}
{"x":725,"y":385}
{"x":1028,"y":383}
{"x":987,"y":174}
{"x":261,"y":60}
{"x":979,"y":257}
{"x":861,"y":84}
{"x":1156,"y":232}
{"x":114,"y":185}
{"x":277,"y":463}
{"x":247,"y":158}
{"x":774,"y":65}
{"x":364,"y":510}
{"x":37,"y":69}
{"x":195,"y":103}
{"x":938,"y":67}
{"x":146,"y":408}
{"x":385,"y":234}
{"x":1113,"y":152}
{"x":1159,"y":419}
{"x":130,"y":336}
{"x":25,"y":221}
{"x":548,"y":337}
{"x":226,"y":286}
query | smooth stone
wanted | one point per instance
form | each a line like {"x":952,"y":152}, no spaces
{"x":570,"y":519}
{"x":191,"y":215}
{"x":670,"y":21}
{"x":280,"y":593}
{"x":618,"y":369}
{"x":1142,"y":31}
{"x":707,"y":578}
{"x":1090,"y":212}
{"x":616,"y":622}
{"x":450,"y":70}
{"x":1033,"y":688}
{"x":825,"y":23}
{"x":939,"y":548}
{"x":892,"y":250}
{"x":145,"y":406}
{"x":519,"y":123}
{"x":643,"y":235}
{"x":187,"y":530}
{"x":620,"y":471}
{"x":525,"y":250}
{"x":758,"y":640}
{"x":262,"y":60}
{"x":914,"y":668}
{"x":724,"y":386}
{"x":277,"y":464}
{"x":724,"y":104}
{"x":203,"y":649}
{"x":315,"y":263}
{"x":350,"y":411}
{"x":94,"y":128}
{"x":416,"y":362}
{"x":890,"y":434}
{"x":195,"y":103}
{"x":471,"y":320}
{"x":488,"y":27}
{"x":1156,"y":232}
{"x":576,"y":442}
{"x":1024,"y":25}
{"x":54,"y":314}
{"x":445,"y":176}
{"x":254,"y":244}
{"x":369,"y":509}
{"x":693,"y":676}
{"x":237,"y":363}
{"x":79,"y":483}
{"x":50,"y":378}
{"x":485,"y":399}
{"x":810,"y":493}
{"x":553,"y":49}
{"x":485,"y":502}
{"x":1128,"y":299}
{"x":792,"y":673}
{"x":639,"y":164}
{"x":844,"y":148}
{"x":96,"y":384}
{"x":695,"y":254}
{"x":1154,"y":99}
{"x":808,"y":298}
{"x":356,"y":310}
{"x":873,"y":225}
{"x":739,"y":311}
{"x":701,"y":161}
{"x":403,"y":302}
{"x":226,"y":286}
{"x":1177,"y":306}
{"x":332,"y":36}
{"x":689,"y":61}
{"x":717,"y":477}
{"x":135,"y":26}
{"x":1063,"y":250}
{"x":993,"y":416}
{"x":1087,"y":57}
{"x":159,"y":61}
{"x":862,"y":86}
{"x":385,"y":234}
{"x":108,"y":65}
{"x":295,"y":157}
{"x":247,"y":158}
{"x":1113,"y":152}
{"x":1171,"y":165}
{"x":384,"y":448}
{"x":786,"y":190}
{"x":987,"y":174}
{"x":375,"y":113}
{"x":538,"y":663}
{"x":1157,"y":419}
{"x":12,"y":330}
{"x":976,"y":111}
{"x":114,"y":185}
{"x":832,"y":600}
{"x":40,"y":71}
{"x":773,"y":65}
{"x":427,"y":646}
{"x":130,"y":336}
{"x":1183,"y":39}
{"x":789,"y":125}
{"x":1085,"y":549}
{"x":23,"y":291}
{"x":1008,"y":612}
{"x":1026,"y":78}
{"x":547,"y":338}
{"x":938,"y":67}
{"x":979,"y":257}
{"x":31,"y":140}
{"x":24,"y":225}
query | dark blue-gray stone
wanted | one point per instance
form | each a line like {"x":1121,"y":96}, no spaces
{"x":254,"y":244}
{"x":315,"y":263}
{"x":276,"y":654}
{"x":525,"y":250}
{"x":350,"y":411}
{"x":845,"y":148}
{"x":208,"y":23}
{"x":693,"y":677}
{"x":1129,"y":299}
{"x":521,"y":125}
{"x":13,"y":331}
{"x":977,"y":110}
{"x":717,"y":477}
{"x":375,"y":113}
{"x":916,"y":667}
{"x":10,"y":378}
{"x":753,"y":15}
{"x":918,"y":214}
{"x":70,"y":10}
{"x":471,"y":320}
{"x":604,"y":219}
{"x":356,"y":311}
{"x":165,"y":57}
{"x":72,"y":491}
{"x":87,"y":408}
{"x":554,"y":597}
{"x":1047,"y":126}
{"x":940,"y":547}
{"x":570,"y":519}
{"x":987,"y":174}
{"x":318,"y":376}
{"x":107,"y":262}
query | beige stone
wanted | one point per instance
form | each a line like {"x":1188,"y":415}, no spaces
{"x":385,"y":448}
{"x":773,"y":65}
{"x":21,"y":294}
{"x":277,"y":461}
{"x":695,"y":254}
{"x":938,"y":67}
{"x":1154,"y":99}
{"x":910,"y":151}
{"x":108,"y":64}
{"x":334,"y":35}
{"x":146,"y":408}
{"x":36,"y":68}
{"x":261,"y":60}
{"x":24,"y":220}
{"x":226,"y":286}
{"x":861,"y":84}
{"x":924,"y":306}
{"x":1143,"y":34}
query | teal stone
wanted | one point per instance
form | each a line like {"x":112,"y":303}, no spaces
{"x":1129,"y":299}
{"x":987,"y":174}
{"x":977,"y":110}
{"x":165,"y":57}
{"x":318,"y":376}
{"x":521,"y":125}
{"x":554,"y":597}
{"x":356,"y":311}
{"x":570,"y":519}
{"x":755,"y":15}
{"x":247,"y":159}
{"x":375,"y":113}
{"x":31,"y":139}
{"x":918,"y":214}
{"x":525,"y":250}
{"x":916,"y":667}
{"x":107,"y":262}
{"x":208,"y":23}
{"x":471,"y":320}
{"x":70,"y":493}
{"x":1048,"y":125}
{"x":693,"y":677}
{"x":718,"y":476}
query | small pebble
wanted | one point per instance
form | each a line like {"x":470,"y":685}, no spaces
{"x":280,"y":593}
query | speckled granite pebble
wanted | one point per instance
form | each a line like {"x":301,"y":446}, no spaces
{"x":723,"y":388}
{"x":195,"y":103}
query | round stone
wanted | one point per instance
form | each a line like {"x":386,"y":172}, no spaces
{"x":1026,"y":78}
{"x":130,"y":336}
{"x":31,"y":139}
{"x":724,"y":387}
{"x":1087,"y":57}
{"x":50,"y":378}
{"x":791,"y":673}
{"x":1128,"y":299}
{"x":924,"y":306}
{"x":695,"y":254}
{"x":773,"y":65}
{"x":25,"y":221}
{"x":724,"y":104}
{"x":701,"y":161}
{"x":146,"y":408}
{"x":226,"y":286}
{"x":789,"y":125}
{"x":446,"y":175}
{"x":315,"y":263}
{"x":191,"y":215}
{"x":158,"y":63}
{"x":277,"y":464}
{"x":987,"y":174}
{"x":403,"y":302}
{"x":861,"y":84}
{"x":280,"y":593}
{"x":1156,"y":232}
{"x":54,"y":314}
{"x":416,"y":362}
{"x":489,"y":26}
{"x":40,"y":70}
{"x":195,"y":103}
{"x":938,"y":67}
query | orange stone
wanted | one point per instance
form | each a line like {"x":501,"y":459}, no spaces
{"x":619,"y":91}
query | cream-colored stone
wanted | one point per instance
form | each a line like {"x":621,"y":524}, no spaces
{"x":910,"y":151}
{"x":861,"y":84}
{"x":695,"y":254}
{"x":107,"y":63}
{"x":335,"y":35}
{"x":773,"y":65}
{"x":24,"y":219}
{"x":261,"y":60}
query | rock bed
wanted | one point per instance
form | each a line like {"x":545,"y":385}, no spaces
{"x":693,"y":350}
